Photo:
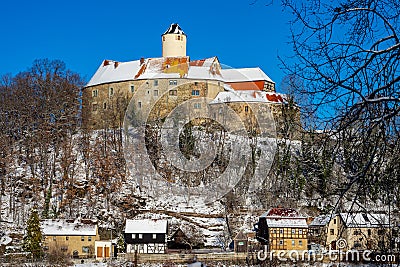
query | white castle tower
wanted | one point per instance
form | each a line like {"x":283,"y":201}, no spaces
{"x":174,"y":42}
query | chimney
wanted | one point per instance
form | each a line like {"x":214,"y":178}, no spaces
{"x":141,"y":60}
{"x":116,"y":63}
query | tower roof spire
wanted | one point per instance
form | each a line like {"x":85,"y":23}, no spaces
{"x":174,"y":28}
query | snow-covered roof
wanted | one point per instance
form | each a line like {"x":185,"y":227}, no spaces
{"x":157,"y":68}
{"x":321,"y":220}
{"x":288,"y":222}
{"x":113,"y":71}
{"x":248,"y":96}
{"x":146,"y":226}
{"x":174,"y":28}
{"x":244,"y":74}
{"x":63,"y":227}
{"x":284,"y":217}
{"x":365,"y":220}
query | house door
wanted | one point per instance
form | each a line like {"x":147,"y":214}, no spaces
{"x":100,"y":252}
{"x":106,"y":252}
{"x":333,"y":245}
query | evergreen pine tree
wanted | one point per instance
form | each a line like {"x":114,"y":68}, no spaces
{"x":33,"y":237}
{"x":121,"y":243}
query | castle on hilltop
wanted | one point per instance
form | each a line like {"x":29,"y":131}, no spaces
{"x":170,"y":80}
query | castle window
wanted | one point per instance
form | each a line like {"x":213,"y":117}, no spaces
{"x":334,"y":221}
{"x":197,"y":105}
{"x":111,"y":92}
{"x":104,"y":105}
{"x":155,"y":82}
{"x":140,"y":236}
{"x":173,"y":92}
{"x":332,"y":231}
{"x":281,"y":242}
{"x":133,"y":236}
{"x":300,"y":242}
{"x":154,"y":236}
{"x":369,"y":232}
{"x":196,"y":92}
{"x":281,"y":231}
{"x":94,"y":107}
{"x":293,"y":231}
{"x":155,"y":92}
{"x":95,"y":93}
{"x":163,"y":38}
{"x":196,"y":83}
{"x":67,"y":238}
{"x":82,"y":238}
{"x":246,"y":109}
{"x":139,"y":104}
{"x":173,"y":82}
{"x":293,"y":243}
{"x":89,"y":238}
{"x":300,"y":231}
{"x":179,"y":37}
{"x":132,"y":88}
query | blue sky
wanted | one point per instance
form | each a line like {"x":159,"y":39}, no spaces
{"x":83,"y":33}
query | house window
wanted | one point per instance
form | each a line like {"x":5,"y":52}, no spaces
{"x":197,"y":105}
{"x":281,"y":231}
{"x":104,"y":105}
{"x":196,"y":83}
{"x":274,"y":231}
{"x":293,"y":243}
{"x":89,"y":238}
{"x":300,"y":231}
{"x":281,"y":242}
{"x":332,"y":231}
{"x":94,"y":107}
{"x":132,"y":88}
{"x":154,"y":236}
{"x":140,"y":236}
{"x":95,"y":93}
{"x":173,"y":82}
{"x":334,"y":221}
{"x":139,"y":104}
{"x":110,"y":92}
{"x":369,"y":232}
{"x":246,"y":109}
{"x":85,"y":249}
{"x":195,"y":92}
{"x":133,"y":236}
{"x":300,"y":242}
{"x":293,"y":231}
{"x":173,"y":92}
{"x":67,"y":238}
{"x":82,"y":238}
{"x":179,"y":37}
{"x":155,"y":82}
{"x":155,"y":92}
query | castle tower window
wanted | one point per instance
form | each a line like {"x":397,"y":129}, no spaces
{"x":139,"y":104}
{"x":155,"y":92}
{"x":94,"y":107}
{"x":111,"y":91}
{"x":195,"y":92}
{"x":173,"y":82}
{"x":104,"y":105}
{"x":95,"y":93}
{"x":155,"y":82}
{"x":132,"y":88}
{"x":246,"y":109}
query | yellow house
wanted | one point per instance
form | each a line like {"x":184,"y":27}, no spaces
{"x":347,"y":231}
{"x":75,"y":238}
{"x":283,"y":229}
